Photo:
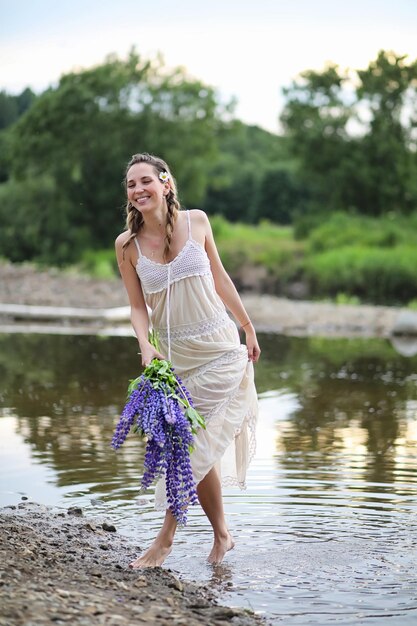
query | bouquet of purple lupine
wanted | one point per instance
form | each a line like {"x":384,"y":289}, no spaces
{"x":160,"y":409}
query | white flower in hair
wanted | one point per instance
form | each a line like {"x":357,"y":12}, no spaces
{"x":164,"y":177}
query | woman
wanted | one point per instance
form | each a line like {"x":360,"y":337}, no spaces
{"x":171,"y":270}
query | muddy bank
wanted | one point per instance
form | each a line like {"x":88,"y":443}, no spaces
{"x":303,"y":318}
{"x":25,"y":285}
{"x":59,"y":567}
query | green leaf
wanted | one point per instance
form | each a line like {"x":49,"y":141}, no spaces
{"x":154,"y":339}
{"x":133,"y":384}
{"x":196,"y":420}
{"x":137,"y":431}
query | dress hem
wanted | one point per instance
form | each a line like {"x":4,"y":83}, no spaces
{"x":250,"y":421}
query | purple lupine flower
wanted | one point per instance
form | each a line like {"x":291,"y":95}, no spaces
{"x":161,"y":409}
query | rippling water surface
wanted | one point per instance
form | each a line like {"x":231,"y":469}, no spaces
{"x":326,"y":532}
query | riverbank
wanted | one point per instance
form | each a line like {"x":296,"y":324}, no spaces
{"x":57,"y":566}
{"x":26,"y":285}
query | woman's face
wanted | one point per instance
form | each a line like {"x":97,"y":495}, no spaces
{"x":144,"y":189}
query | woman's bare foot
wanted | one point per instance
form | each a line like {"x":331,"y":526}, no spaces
{"x":154,"y":556}
{"x":219,"y":549}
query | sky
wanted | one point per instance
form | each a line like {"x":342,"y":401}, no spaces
{"x":249,"y":50}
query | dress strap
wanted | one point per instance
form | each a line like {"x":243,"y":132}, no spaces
{"x":189,"y":225}
{"x":135,"y":239}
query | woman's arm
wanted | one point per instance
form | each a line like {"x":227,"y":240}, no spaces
{"x":225,"y":287}
{"x":138,"y":309}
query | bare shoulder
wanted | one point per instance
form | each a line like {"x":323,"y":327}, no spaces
{"x":122,"y":238}
{"x":198,"y":217}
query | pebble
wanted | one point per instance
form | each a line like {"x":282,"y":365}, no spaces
{"x":75,"y":510}
{"x":177,"y":584}
{"x":115,"y":620}
{"x":63,"y":593}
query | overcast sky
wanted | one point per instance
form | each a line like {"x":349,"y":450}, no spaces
{"x":246,"y":49}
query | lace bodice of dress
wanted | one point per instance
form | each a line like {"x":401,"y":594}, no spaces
{"x":192,"y":260}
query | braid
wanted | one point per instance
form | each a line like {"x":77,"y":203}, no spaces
{"x":134,"y":219}
{"x":173,"y":208}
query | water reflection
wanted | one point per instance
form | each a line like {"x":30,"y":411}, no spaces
{"x":63,"y":375}
{"x":352,"y":395}
{"x":331,"y":492}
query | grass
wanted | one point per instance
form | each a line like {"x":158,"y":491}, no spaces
{"x":341,"y":230}
{"x":99,"y":263}
{"x":373,"y":274}
{"x":265,"y":244}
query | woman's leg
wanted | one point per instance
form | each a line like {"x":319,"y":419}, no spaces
{"x":161,"y":547}
{"x":210,"y":496}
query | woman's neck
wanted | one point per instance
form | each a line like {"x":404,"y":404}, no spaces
{"x":154,"y":224}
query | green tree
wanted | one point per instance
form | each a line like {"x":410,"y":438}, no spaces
{"x":36,"y":222}
{"x":315,"y":119}
{"x":80,"y":134}
{"x":246,"y":153}
{"x":388,"y":87}
{"x":354,"y":135}
{"x":8,"y":110}
{"x":24,"y":100}
{"x":11,"y":108}
{"x":280,"y":196}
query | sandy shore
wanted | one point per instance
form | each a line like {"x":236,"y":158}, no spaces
{"x":59,"y":567}
{"x":25,"y":285}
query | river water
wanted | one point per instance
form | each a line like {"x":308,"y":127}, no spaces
{"x":326,"y":532}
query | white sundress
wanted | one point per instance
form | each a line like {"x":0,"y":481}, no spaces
{"x":203,"y":344}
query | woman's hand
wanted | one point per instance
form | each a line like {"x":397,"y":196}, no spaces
{"x":254,"y":351}
{"x":148,"y":352}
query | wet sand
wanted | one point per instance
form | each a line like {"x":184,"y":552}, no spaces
{"x":59,"y":567}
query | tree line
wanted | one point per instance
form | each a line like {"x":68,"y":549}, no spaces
{"x":348,"y":143}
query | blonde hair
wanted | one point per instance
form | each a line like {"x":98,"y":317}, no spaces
{"x":134,"y":219}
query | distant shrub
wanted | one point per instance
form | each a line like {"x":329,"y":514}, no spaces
{"x":344,"y":298}
{"x":266,"y":244}
{"x":373,"y":274}
{"x":305,"y":223}
{"x":35,"y":225}
{"x":221,"y":228}
{"x":343,"y":229}
{"x":99,"y":263}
